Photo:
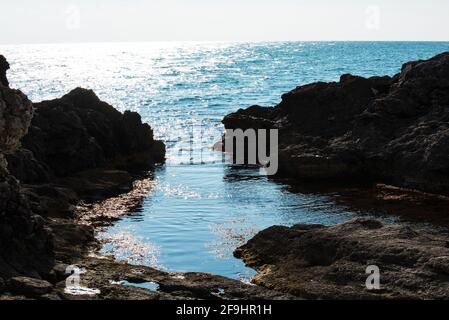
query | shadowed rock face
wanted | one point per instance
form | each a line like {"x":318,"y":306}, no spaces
{"x":25,"y":243}
{"x":4,"y":66}
{"x":318,"y":262}
{"x":79,"y":132}
{"x":71,"y":148}
{"x":382,"y":129}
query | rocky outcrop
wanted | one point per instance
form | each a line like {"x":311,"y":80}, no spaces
{"x":76,"y":154}
{"x":72,"y":149}
{"x":120,"y":281}
{"x":4,"y":66}
{"x":390,"y":130}
{"x":318,"y":262}
{"x":80,"y":132}
{"x":25,"y":242}
{"x":81,"y":148}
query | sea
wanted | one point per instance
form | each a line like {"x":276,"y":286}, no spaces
{"x":200,"y":207}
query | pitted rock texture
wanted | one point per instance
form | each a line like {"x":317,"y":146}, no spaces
{"x":318,"y":262}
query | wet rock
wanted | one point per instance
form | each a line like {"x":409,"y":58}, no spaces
{"x":379,"y":129}
{"x":107,"y":276}
{"x":103,"y":213}
{"x":29,"y":286}
{"x":318,"y":262}
{"x":72,"y":240}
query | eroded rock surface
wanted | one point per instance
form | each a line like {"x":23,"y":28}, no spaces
{"x":390,"y":130}
{"x":25,"y":242}
{"x":318,"y":262}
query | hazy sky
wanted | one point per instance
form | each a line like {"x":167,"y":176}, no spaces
{"x":49,"y":21}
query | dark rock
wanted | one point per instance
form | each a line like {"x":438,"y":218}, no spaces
{"x":25,"y":242}
{"x":29,"y":286}
{"x":26,"y":168}
{"x":16,"y":112}
{"x":72,"y":240}
{"x":320,"y":262}
{"x":106,"y":274}
{"x":380,"y":129}
{"x":74,"y":149}
{"x":60,"y":271}
{"x":81,"y":148}
{"x":2,"y":286}
{"x":79,"y":132}
{"x":4,"y":66}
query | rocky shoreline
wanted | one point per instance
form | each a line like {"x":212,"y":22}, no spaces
{"x":382,"y":143}
{"x":391,"y":130}
{"x":72,"y":164}
{"x":80,"y":164}
{"x":318,"y":262}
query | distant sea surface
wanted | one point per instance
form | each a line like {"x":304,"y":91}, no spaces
{"x":201,"y":208}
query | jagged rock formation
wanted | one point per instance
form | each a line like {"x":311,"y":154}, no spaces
{"x":79,"y":147}
{"x":25,"y":242}
{"x":74,"y":148}
{"x":80,"y":132}
{"x":4,"y":66}
{"x":318,"y":262}
{"x":391,"y":130}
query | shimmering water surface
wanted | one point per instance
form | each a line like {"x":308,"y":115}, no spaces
{"x":200,"y":208}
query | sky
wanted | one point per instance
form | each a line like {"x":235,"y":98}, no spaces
{"x":63,"y":21}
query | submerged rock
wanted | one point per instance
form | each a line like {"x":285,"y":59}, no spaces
{"x":318,"y":262}
{"x":381,"y":129}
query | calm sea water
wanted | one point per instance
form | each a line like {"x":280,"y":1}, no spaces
{"x":200,"y":208}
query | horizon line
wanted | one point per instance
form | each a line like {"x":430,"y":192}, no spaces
{"x":217,"y":41}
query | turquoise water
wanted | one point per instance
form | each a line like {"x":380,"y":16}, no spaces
{"x":200,"y":209}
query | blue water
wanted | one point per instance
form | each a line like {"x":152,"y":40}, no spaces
{"x":200,"y":209}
